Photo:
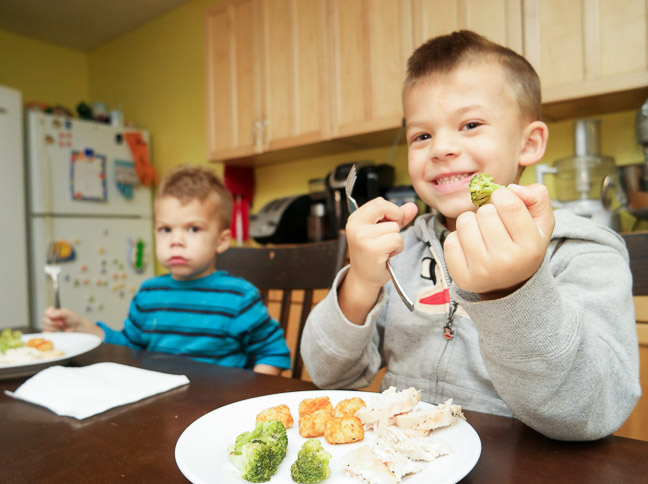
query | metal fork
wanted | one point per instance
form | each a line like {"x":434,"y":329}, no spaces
{"x":353,"y":205}
{"x":53,"y":270}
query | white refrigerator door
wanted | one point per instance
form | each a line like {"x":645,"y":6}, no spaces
{"x":59,"y":185}
{"x":14,"y":306}
{"x":101,"y":280}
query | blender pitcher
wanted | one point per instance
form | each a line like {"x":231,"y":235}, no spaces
{"x":579,"y":178}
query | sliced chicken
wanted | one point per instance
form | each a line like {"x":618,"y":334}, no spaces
{"x":363,"y":464}
{"x":389,"y":403}
{"x":429,"y":419}
{"x":420,"y":448}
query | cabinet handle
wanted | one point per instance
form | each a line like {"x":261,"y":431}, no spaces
{"x":264,"y":132}
{"x":256,"y":138}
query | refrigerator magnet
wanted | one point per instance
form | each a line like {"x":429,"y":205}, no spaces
{"x":137,"y":254}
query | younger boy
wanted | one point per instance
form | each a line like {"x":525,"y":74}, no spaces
{"x":519,"y":310}
{"x":194,"y":310}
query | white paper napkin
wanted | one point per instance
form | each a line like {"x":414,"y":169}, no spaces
{"x":89,"y":390}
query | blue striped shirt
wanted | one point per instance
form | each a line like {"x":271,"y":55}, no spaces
{"x":218,"y":319}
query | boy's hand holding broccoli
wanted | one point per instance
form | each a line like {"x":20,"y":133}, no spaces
{"x":500,"y":246}
{"x":373,"y":235}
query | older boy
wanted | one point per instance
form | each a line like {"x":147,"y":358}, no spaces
{"x":513,"y":315}
{"x":194,"y":310}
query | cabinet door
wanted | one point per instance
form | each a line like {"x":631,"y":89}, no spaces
{"x":370,"y":43}
{"x":586,"y":48}
{"x":499,"y":20}
{"x":295,"y":63}
{"x":232,"y":80}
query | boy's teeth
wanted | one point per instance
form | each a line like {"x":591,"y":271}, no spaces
{"x":449,"y":179}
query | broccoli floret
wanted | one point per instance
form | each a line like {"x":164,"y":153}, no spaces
{"x":481,"y":187}
{"x":312,"y":464}
{"x":258,"y":453}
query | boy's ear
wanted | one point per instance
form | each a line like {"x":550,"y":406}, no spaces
{"x":535,"y":139}
{"x":224,"y":242}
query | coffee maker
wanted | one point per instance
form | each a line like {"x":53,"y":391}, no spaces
{"x":373,"y":181}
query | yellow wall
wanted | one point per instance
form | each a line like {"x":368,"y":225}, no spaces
{"x":43,"y":72}
{"x":156,"y":75}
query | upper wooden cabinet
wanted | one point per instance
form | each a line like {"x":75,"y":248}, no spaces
{"x":266,"y":62}
{"x":586,"y":48}
{"x":499,"y":20}
{"x":370,"y":43}
{"x":233,"y":94}
{"x":292,"y":73}
{"x":295,"y":66}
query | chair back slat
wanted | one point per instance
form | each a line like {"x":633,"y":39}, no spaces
{"x":292,"y":269}
{"x":637,"y":244}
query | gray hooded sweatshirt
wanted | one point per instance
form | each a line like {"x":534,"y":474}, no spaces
{"x":560,"y":353}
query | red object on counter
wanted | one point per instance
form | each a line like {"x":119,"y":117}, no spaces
{"x":239,"y":180}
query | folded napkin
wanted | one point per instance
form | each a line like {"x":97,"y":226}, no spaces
{"x":89,"y":390}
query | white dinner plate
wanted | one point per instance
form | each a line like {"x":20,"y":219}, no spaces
{"x":201,"y":451}
{"x":71,"y":344}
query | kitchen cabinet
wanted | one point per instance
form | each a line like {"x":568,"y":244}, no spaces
{"x":233,"y":97}
{"x":499,"y":20}
{"x":266,"y":67}
{"x":586,"y":48}
{"x":290,"y":79}
{"x":370,"y":43}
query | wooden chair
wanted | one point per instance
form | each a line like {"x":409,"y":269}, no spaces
{"x":284,"y":272}
{"x":636,"y":426}
{"x":637,"y":243}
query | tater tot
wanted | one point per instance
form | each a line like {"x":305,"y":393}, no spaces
{"x":41,"y":344}
{"x":344,"y":430}
{"x":313,"y":424}
{"x":311,"y":405}
{"x":348,"y":407}
{"x":280,"y":413}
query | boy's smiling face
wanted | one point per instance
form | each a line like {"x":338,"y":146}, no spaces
{"x":460,"y":124}
{"x":188,"y":236}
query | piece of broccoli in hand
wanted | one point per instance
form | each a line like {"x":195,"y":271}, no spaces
{"x":258,"y":453}
{"x":312,"y":464}
{"x":481,"y":187}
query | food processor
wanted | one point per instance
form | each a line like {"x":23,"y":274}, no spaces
{"x":579,"y":178}
{"x":630,"y":182}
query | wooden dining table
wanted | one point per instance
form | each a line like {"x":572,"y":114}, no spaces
{"x":136,"y":443}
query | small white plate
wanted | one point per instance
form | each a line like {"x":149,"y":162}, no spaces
{"x":201,"y":451}
{"x":71,"y":344}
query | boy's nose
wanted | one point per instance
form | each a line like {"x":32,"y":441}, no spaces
{"x":443,"y":146}
{"x":177,"y":238}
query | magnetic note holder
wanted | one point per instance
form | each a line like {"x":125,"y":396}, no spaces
{"x":88,"y":176}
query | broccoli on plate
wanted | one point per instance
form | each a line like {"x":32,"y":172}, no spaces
{"x":312,"y":464}
{"x":481,"y":187}
{"x":258,"y":453}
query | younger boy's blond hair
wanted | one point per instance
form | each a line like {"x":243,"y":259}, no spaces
{"x":444,"y":54}
{"x":195,"y":182}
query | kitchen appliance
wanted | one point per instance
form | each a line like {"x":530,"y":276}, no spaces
{"x":282,"y":221}
{"x":83,"y":190}
{"x":631,"y":181}
{"x":579,"y":178}
{"x":14,"y":302}
{"x":373,"y":181}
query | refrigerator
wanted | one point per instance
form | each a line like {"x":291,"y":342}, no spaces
{"x":84,"y":194}
{"x":14,"y":304}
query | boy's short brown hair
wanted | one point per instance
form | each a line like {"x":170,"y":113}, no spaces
{"x":443,"y":54}
{"x":187,"y":183}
